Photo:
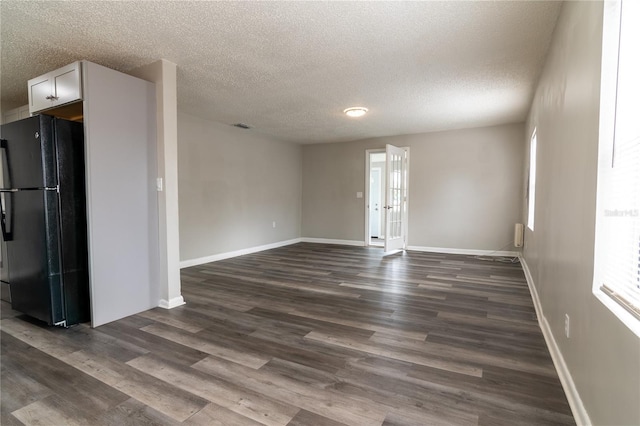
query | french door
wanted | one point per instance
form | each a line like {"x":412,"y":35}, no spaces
{"x":396,"y":192}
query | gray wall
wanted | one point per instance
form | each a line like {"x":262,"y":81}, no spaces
{"x":602,"y":355}
{"x":233,"y":184}
{"x":465,"y":188}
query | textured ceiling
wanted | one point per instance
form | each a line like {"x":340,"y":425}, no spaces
{"x":288,"y":69}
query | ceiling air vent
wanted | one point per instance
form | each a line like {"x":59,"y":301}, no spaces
{"x":242,"y":125}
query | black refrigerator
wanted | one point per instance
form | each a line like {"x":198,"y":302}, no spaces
{"x":43,"y":218}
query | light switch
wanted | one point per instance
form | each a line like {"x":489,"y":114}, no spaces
{"x":159,"y":184}
{"x":358,"y":194}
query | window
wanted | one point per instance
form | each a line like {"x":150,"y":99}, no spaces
{"x":617,"y":247}
{"x":532,"y":179}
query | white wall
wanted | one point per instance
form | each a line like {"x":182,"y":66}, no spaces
{"x":163,"y":74}
{"x":465,"y":187}
{"x":602,"y":355}
{"x":233,"y":183}
{"x":122,"y":203}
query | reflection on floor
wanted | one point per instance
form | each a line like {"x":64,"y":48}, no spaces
{"x":307,"y":334}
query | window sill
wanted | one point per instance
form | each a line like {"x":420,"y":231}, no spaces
{"x":623,"y":315}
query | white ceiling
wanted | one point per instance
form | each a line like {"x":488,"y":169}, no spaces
{"x":288,"y":69}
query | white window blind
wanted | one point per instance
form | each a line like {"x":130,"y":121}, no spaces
{"x":617,"y":262}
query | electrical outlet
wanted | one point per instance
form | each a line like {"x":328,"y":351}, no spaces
{"x":567,"y":325}
{"x":274,"y":224}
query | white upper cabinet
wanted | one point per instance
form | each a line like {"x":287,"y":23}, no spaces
{"x":15,"y":114}
{"x":55,"y":88}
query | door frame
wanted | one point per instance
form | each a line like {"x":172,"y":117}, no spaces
{"x":367,"y":196}
{"x":367,"y":231}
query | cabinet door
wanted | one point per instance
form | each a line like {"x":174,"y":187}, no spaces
{"x":23,"y":112}
{"x":15,"y":115}
{"x":40,"y":93}
{"x":66,"y":85}
{"x":10,"y":116}
{"x":55,"y":88}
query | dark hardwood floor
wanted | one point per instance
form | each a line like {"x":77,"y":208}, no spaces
{"x":306,"y":334}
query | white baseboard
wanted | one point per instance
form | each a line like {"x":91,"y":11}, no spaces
{"x":575,"y":402}
{"x":230,"y":254}
{"x":470,"y":252}
{"x":330,"y":241}
{"x":171,"y":303}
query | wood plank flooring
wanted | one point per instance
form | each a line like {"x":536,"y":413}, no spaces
{"x":306,"y":334}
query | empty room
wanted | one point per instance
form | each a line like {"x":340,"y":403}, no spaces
{"x":320,"y":213}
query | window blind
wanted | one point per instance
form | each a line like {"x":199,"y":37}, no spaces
{"x":619,"y":176}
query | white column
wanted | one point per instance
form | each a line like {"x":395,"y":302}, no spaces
{"x":163,"y":74}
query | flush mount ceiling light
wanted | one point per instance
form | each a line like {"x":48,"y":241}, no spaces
{"x":355,"y":111}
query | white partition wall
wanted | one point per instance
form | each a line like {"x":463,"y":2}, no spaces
{"x":163,"y":74}
{"x":120,"y":140}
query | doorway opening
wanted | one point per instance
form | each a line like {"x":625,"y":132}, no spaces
{"x":376,"y":212}
{"x":387,"y":197}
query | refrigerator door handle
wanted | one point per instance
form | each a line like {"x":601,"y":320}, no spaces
{"x":4,"y":168}
{"x":5,"y":195}
{"x":6,"y":210}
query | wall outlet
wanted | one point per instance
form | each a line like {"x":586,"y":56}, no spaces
{"x":274,"y":224}
{"x":567,"y":325}
{"x":358,"y":194}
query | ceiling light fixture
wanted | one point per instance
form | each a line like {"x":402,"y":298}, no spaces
{"x":355,"y":111}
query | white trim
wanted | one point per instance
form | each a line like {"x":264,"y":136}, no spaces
{"x":406,"y":213}
{"x":573,"y":397}
{"x":367,"y":184}
{"x":618,"y":310}
{"x":230,"y":254}
{"x":330,"y":241}
{"x":172,"y":303}
{"x":367,"y":195}
{"x":472,"y":252}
